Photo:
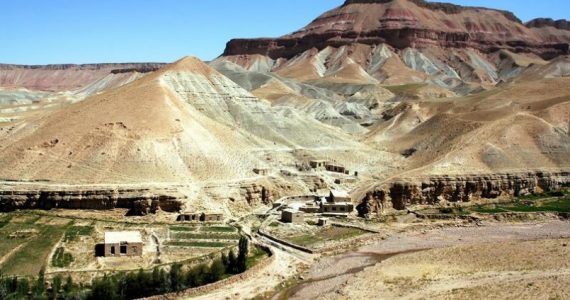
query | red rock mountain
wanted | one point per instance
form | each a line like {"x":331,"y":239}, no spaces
{"x":415,"y":24}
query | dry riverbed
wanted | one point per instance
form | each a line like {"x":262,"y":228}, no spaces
{"x":498,"y":260}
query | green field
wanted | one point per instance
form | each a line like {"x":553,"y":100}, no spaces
{"x":61,"y":259}
{"x":561,"y":205}
{"x":73,"y":232}
{"x":31,"y":249}
{"x":199,"y":244}
{"x":332,"y":233}
{"x":206,"y":236}
{"x":203,"y":236}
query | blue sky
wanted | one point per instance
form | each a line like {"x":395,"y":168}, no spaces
{"x":91,"y":31}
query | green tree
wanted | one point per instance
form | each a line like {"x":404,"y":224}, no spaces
{"x":217,"y":270}
{"x":242,"y":255}
{"x":232,"y":263}
{"x":104,"y":288}
{"x":39,"y":289}
{"x":176,"y":277}
{"x":56,"y":286}
{"x":225,"y":260}
{"x":68,"y":286}
{"x":23,"y":287}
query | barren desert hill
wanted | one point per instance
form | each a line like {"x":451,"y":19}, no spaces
{"x":183,"y":123}
{"x":408,"y":23}
{"x":65,"y":77}
{"x":403,"y":41}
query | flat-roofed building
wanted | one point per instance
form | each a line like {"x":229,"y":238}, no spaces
{"x":189,"y":217}
{"x":335,"y":168}
{"x":339,"y":196}
{"x":337,"y":208}
{"x":212,"y":217}
{"x":318,"y":163}
{"x":323,"y":221}
{"x":261,"y":171}
{"x":292,"y":216}
{"x":123,"y":243}
{"x":310,"y":208}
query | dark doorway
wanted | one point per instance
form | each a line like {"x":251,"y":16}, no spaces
{"x":123,"y":249}
{"x":99,"y":250}
{"x":112,"y":250}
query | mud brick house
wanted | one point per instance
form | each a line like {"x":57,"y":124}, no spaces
{"x":318,"y":163}
{"x":338,"y":203}
{"x":123,"y":243}
{"x":200,"y":217}
{"x":292,"y":216}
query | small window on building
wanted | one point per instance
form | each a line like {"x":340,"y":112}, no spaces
{"x":123,"y":249}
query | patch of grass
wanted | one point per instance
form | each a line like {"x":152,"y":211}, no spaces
{"x":61,"y":259}
{"x":488,"y":210}
{"x":199,"y":244}
{"x":332,"y":233}
{"x":218,"y":229}
{"x":183,"y":228}
{"x":274,"y":224}
{"x":255,"y":255}
{"x":32,"y":256}
{"x":7,"y":244}
{"x":539,"y":196}
{"x":556,"y":205}
{"x":73,"y":232}
{"x":205,"y":236}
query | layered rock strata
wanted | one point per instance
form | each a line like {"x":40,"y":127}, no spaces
{"x":402,"y":193}
{"x":138,"y":201}
{"x":409,"y":23}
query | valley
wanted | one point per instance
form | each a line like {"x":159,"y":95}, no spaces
{"x":392,"y":149}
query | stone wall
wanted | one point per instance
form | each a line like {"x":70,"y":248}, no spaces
{"x":399,"y":194}
{"x":138,"y":201}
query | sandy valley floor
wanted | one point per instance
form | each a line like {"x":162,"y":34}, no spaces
{"x":495,"y":261}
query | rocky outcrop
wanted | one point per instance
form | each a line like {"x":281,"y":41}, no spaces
{"x":447,"y":8}
{"x":407,"y":23}
{"x":548,"y":22}
{"x":138,"y":201}
{"x":256,"y":194}
{"x":436,"y":190}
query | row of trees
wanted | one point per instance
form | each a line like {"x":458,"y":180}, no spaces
{"x":23,"y":288}
{"x":143,"y":284}
{"x":129,"y":285}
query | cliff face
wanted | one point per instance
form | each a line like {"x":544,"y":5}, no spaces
{"x":408,"y":23}
{"x":400,"y":194}
{"x":138,"y":201}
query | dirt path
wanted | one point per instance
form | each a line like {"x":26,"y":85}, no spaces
{"x":5,"y":257}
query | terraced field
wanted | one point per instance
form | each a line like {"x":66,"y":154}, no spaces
{"x":202,"y":236}
{"x":26,"y":243}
